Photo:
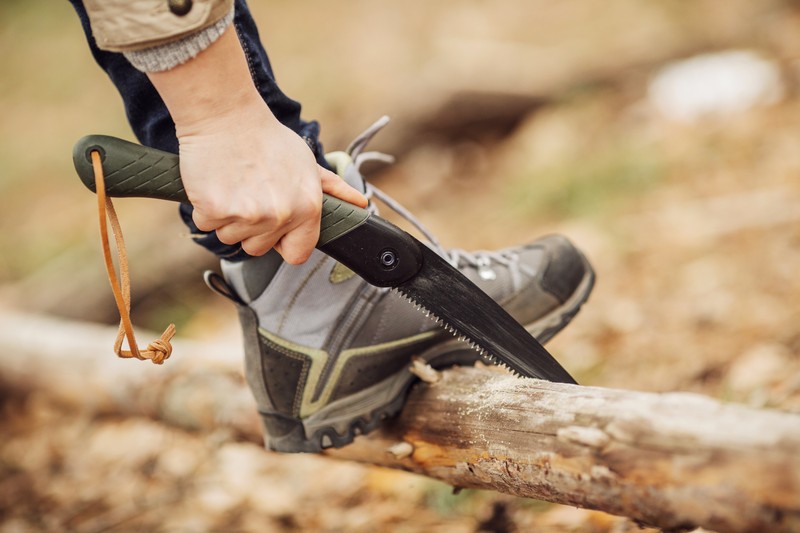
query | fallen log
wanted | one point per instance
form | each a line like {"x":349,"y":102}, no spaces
{"x":674,"y":461}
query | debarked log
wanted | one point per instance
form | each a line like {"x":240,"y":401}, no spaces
{"x":674,"y":461}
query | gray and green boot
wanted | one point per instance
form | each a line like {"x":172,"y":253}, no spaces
{"x":328,"y":356}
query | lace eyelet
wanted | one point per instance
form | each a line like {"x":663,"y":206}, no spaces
{"x":485,"y":270}
{"x":487,"y":274}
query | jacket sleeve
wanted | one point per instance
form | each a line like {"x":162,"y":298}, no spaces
{"x":131,"y":25}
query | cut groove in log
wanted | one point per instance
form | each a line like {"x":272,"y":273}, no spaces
{"x":674,"y":461}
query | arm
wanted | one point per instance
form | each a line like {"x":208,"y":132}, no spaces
{"x":249,"y":177}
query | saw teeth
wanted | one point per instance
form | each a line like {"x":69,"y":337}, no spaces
{"x":483,"y":352}
{"x":497,"y":362}
{"x":460,"y":336}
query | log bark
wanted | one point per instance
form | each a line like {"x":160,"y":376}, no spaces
{"x":675,"y":461}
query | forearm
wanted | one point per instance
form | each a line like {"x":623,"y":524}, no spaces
{"x":214,"y":84}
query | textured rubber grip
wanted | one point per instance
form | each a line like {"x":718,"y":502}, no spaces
{"x":338,"y":218}
{"x":133,"y":170}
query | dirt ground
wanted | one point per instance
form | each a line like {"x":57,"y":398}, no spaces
{"x":510,"y":121}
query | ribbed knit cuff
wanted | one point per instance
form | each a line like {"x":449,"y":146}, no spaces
{"x":170,"y":55}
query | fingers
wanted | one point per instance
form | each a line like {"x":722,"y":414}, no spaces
{"x":207,"y":223}
{"x":258,"y":245}
{"x":254,"y":242}
{"x":286,"y":218}
{"x":254,"y":181}
{"x":336,"y":186}
{"x":293,"y":233}
{"x":296,"y":246}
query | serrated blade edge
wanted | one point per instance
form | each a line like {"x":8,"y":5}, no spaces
{"x":455,"y":301}
{"x":482,"y":351}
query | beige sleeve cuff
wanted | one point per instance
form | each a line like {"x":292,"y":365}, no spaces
{"x":126,"y":25}
{"x":167,"y":56}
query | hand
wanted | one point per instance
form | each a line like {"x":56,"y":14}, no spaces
{"x":250,"y":178}
{"x":256,"y":182}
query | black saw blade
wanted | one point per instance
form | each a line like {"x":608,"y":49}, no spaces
{"x":460,"y":306}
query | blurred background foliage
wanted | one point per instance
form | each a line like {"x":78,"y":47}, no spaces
{"x":660,"y":136}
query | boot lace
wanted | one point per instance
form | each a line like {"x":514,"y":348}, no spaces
{"x":482,"y":260}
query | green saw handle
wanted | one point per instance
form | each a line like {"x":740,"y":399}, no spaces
{"x":133,"y":170}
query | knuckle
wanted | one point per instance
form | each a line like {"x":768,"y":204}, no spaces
{"x":226,"y":237}
{"x":296,"y":257}
{"x":250,"y":213}
{"x":211,"y":208}
{"x":316,"y":207}
{"x":203,"y":224}
{"x":311,"y":206}
{"x":281,"y":216}
{"x":254,"y":249}
{"x":202,"y":220}
{"x":258,"y":245}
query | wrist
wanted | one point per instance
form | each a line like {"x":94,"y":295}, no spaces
{"x":213,"y":86}
{"x":219,"y":112}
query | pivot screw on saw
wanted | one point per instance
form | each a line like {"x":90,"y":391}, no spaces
{"x":389,"y":259}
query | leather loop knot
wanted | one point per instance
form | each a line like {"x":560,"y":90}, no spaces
{"x":160,"y":349}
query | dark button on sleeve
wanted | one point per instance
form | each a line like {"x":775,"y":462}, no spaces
{"x":180,"y":7}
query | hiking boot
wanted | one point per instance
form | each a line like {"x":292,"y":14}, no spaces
{"x":328,"y":356}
